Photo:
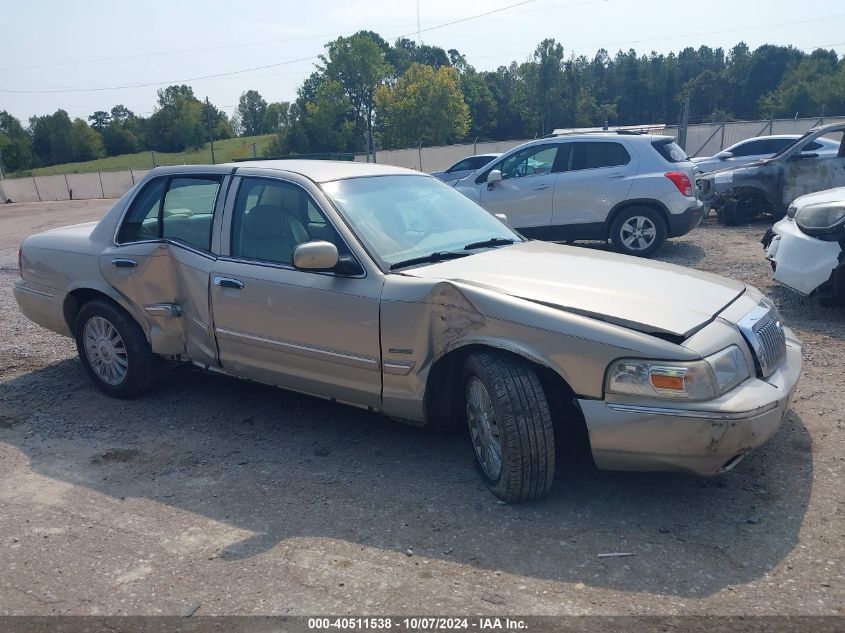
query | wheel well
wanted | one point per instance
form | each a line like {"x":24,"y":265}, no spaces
{"x":753,"y":195}
{"x":78,"y":298}
{"x":629,"y":204}
{"x":444,"y":397}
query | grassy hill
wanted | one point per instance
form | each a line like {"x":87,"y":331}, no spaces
{"x":224,"y":151}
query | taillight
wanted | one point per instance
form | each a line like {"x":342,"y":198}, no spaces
{"x":681,"y":181}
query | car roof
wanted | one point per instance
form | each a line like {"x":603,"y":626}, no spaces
{"x":327,"y":170}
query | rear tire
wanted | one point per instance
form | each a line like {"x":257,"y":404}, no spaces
{"x":113,"y":350}
{"x":638,"y":231}
{"x":510,"y":426}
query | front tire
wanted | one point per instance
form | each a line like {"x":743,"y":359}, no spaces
{"x":113,"y":350}
{"x":510,"y":426}
{"x":638,"y":231}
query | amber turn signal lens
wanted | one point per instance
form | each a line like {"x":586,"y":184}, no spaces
{"x":676,"y":383}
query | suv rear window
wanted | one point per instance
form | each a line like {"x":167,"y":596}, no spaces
{"x":670,"y":151}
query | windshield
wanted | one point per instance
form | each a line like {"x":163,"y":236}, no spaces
{"x":399,"y":218}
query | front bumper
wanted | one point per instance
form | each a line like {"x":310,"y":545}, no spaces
{"x":699,"y":438}
{"x":801,"y":262}
{"x":683,"y":223}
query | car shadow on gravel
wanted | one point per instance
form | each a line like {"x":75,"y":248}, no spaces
{"x":282,"y":466}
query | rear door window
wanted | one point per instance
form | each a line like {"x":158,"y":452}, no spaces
{"x":179,"y":209}
{"x":595,"y":155}
{"x":188,"y":210}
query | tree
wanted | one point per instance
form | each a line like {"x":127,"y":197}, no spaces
{"x":100,"y":120}
{"x":178,"y":122}
{"x":51,"y":138}
{"x":358,"y":65}
{"x":85,"y":143}
{"x":425,"y":105}
{"x":252,"y":108}
{"x":277,"y":117}
{"x":15,"y":144}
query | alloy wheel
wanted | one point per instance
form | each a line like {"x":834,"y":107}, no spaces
{"x":483,"y":428}
{"x":105,"y":350}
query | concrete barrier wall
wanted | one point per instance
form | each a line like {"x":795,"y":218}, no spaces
{"x":702,"y":140}
{"x":84,"y":186}
{"x":107,"y":184}
{"x":116,"y":183}
{"x":52,"y":188}
{"x":19,"y":190}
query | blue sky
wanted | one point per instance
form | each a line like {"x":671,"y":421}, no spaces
{"x":61,"y":46}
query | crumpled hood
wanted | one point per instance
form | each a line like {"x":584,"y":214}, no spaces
{"x":641,"y":294}
{"x":820,"y":197}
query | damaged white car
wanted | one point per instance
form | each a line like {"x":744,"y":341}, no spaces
{"x":806,"y":247}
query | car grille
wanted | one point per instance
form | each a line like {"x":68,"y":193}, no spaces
{"x":763,"y":330}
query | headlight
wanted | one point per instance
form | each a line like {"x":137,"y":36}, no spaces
{"x":696,"y":380}
{"x":825,"y":219}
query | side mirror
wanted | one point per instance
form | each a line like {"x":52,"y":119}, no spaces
{"x":315,"y":256}
{"x":493,"y":177}
{"x":501,"y":217}
{"x":724,"y":155}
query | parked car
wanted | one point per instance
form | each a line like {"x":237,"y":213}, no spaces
{"x":634,"y":190}
{"x":769,"y":186}
{"x":758,"y":148}
{"x":806,"y":247}
{"x":386,"y":289}
{"x":464,"y":167}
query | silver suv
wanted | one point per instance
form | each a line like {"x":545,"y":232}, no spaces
{"x":632,"y":189}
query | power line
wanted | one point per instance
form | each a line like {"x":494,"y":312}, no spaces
{"x":263,"y":67}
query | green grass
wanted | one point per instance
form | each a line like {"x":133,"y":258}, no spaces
{"x":224,"y":152}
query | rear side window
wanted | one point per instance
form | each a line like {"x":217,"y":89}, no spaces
{"x":142,"y":221}
{"x":777,"y":144}
{"x":598,"y":155}
{"x":178,"y":209}
{"x":670,"y":151}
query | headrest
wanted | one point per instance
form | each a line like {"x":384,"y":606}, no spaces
{"x":267,"y":220}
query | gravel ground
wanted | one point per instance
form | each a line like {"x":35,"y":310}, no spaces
{"x":249,"y":500}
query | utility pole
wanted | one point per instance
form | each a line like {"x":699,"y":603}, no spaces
{"x":210,"y":132}
{"x":682,"y":132}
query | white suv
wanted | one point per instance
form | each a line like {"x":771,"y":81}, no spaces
{"x":633,"y":189}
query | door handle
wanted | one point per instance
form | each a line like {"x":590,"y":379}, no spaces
{"x":122,"y":262}
{"x":543,"y":186}
{"x":228,"y":282}
{"x":616,"y":174}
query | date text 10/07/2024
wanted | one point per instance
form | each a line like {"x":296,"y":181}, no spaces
{"x":417,"y":624}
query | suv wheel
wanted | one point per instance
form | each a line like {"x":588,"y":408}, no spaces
{"x":638,"y":231}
